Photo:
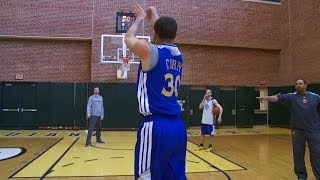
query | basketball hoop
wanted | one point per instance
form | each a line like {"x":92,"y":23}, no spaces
{"x":114,"y":51}
{"x":122,"y":71}
{"x":126,"y":61}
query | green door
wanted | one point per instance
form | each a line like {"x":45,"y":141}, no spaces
{"x":245,"y":106}
{"x":248,"y":107}
{"x":10,"y":105}
{"x":196,"y":97}
{"x":18,"y":105}
{"x":28,"y":105}
{"x":228,"y":104}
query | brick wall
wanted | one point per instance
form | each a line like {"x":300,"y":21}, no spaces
{"x":45,"y":60}
{"x":301,"y":41}
{"x":225,"y":66}
{"x":236,"y":40}
{"x":210,"y":31}
{"x":70,"y":18}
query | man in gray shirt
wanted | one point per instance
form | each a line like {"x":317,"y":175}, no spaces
{"x":95,"y":113}
{"x":305,"y":123}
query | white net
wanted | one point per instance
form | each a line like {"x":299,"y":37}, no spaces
{"x":122,"y":71}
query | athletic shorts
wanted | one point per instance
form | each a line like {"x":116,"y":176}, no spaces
{"x":160,"y":151}
{"x":208,"y":129}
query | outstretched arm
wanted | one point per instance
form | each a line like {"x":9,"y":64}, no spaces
{"x":273,"y":98}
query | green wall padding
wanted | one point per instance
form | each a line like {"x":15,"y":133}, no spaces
{"x":196,"y":97}
{"x":184,"y":97}
{"x":227,"y":102}
{"x":62,"y":104}
{"x":80,"y":104}
{"x":44,"y":105}
{"x":279,"y":114}
{"x":1,"y":115}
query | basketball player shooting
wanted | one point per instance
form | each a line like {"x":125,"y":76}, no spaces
{"x":160,"y":151}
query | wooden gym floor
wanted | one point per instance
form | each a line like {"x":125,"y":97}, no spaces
{"x":249,"y":153}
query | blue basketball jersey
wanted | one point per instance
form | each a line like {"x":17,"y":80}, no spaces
{"x":157,"y":89}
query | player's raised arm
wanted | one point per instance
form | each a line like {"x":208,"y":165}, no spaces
{"x":152,"y":14}
{"x":273,"y":98}
{"x":139,"y":47}
{"x":202,"y":102}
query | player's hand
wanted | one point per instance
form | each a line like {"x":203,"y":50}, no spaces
{"x":139,"y":12}
{"x":101,"y":118}
{"x":151,"y":11}
{"x":219,"y":120}
{"x":205,"y":96}
{"x":262,"y":99}
{"x":88,"y":116}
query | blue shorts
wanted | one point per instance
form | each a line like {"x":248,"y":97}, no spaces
{"x":208,"y":129}
{"x":160,"y":151}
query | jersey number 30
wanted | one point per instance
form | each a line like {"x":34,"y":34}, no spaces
{"x":173,"y":83}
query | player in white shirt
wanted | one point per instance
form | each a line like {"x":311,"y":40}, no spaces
{"x":208,"y":119}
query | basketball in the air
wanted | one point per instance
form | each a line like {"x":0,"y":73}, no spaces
{"x":216,"y":111}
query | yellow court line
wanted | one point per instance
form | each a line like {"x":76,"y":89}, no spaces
{"x":196,"y":165}
{"x":110,"y":159}
{"x":213,"y":159}
{"x":103,"y":161}
{"x":43,"y":163}
{"x":100,"y":160}
{"x":114,"y":158}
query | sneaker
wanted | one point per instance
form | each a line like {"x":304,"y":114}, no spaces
{"x":87,"y":145}
{"x":210,"y":149}
{"x":201,"y":147}
{"x":100,"y":142}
